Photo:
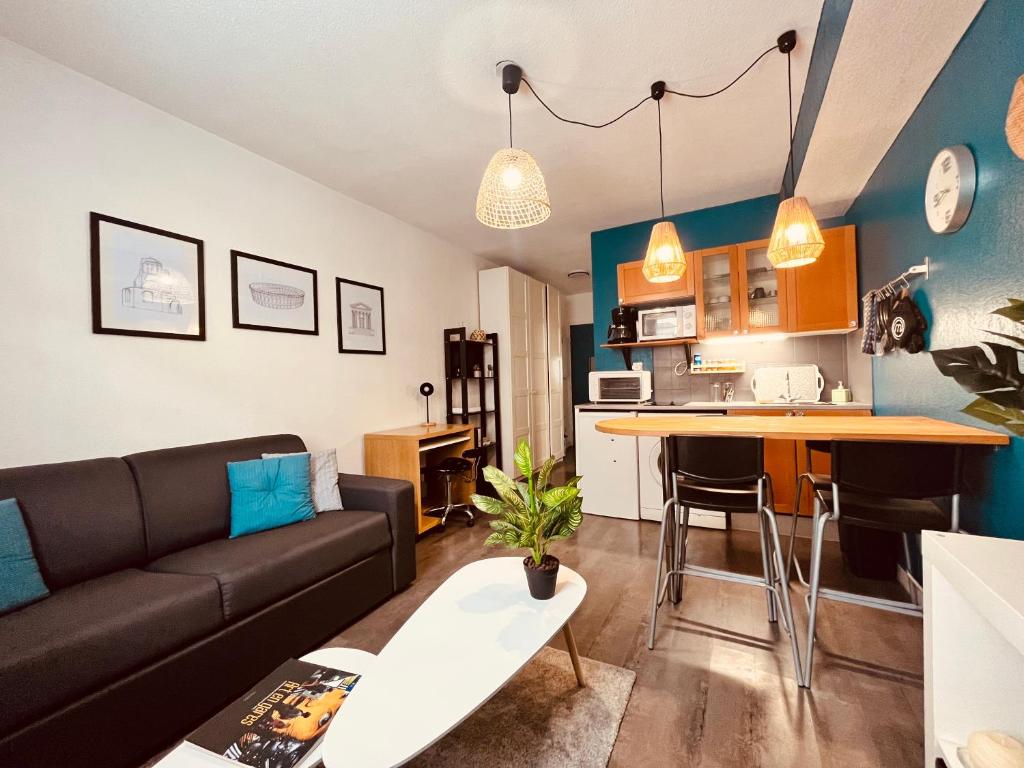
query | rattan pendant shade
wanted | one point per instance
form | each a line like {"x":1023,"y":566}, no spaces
{"x":796,"y":238}
{"x":665,"y":260}
{"x":1015,"y":119}
{"x":512,"y":192}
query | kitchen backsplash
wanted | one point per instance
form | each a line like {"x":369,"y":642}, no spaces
{"x":828,"y":352}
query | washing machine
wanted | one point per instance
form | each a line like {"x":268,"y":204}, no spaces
{"x":649,"y":473}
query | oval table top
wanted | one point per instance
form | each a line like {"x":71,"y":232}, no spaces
{"x":907,"y":429}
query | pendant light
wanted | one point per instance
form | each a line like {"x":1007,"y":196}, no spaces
{"x":665,"y":260}
{"x":796,"y":238}
{"x":512,"y":192}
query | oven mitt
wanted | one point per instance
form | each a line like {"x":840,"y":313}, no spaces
{"x":906,"y":325}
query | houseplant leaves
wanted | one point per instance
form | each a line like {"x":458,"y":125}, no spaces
{"x":1008,"y":418}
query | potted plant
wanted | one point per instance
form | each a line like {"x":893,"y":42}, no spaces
{"x":531,"y":516}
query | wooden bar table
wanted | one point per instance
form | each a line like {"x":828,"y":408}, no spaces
{"x":884,"y":429}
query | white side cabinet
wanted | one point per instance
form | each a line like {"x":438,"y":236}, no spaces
{"x":608,"y":464}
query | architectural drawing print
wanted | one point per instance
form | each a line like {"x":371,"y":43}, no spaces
{"x":277,"y":296}
{"x":362,"y":319}
{"x":156,"y":288}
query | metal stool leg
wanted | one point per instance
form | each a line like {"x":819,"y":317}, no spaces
{"x":765,"y":563}
{"x":448,"y":506}
{"x":821,"y":518}
{"x":791,"y":558}
{"x":680,"y":566}
{"x":658,"y":587}
{"x":783,"y":587}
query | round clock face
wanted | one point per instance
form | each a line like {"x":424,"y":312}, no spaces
{"x":949,"y":192}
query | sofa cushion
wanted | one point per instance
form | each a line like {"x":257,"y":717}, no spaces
{"x":20,"y":581}
{"x":185,"y":495}
{"x":83,"y":517}
{"x":257,"y":570}
{"x":269,"y":493}
{"x":92,"y":633}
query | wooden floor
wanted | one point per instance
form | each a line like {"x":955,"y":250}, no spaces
{"x":718,"y":689}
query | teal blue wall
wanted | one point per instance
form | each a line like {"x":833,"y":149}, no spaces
{"x":974,"y":270}
{"x":733,"y":223}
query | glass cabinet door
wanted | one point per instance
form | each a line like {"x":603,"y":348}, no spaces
{"x":716,"y":289}
{"x":763,"y":290}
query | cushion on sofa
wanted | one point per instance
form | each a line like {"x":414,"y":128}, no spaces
{"x":20,"y":580}
{"x":269,"y":493}
{"x":323,"y":477}
{"x":83,"y":517}
{"x":255,"y":571}
{"x":92,"y":633}
{"x":184,"y":491}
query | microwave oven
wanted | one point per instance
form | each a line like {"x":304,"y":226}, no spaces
{"x":620,"y":386}
{"x":679,"y":322}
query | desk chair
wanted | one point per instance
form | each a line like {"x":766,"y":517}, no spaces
{"x":888,"y":487}
{"x":724,"y":474}
{"x":462,"y":467}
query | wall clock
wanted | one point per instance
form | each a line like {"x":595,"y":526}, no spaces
{"x":949,"y":191}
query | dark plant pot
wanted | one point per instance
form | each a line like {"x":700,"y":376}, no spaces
{"x":541,"y":578}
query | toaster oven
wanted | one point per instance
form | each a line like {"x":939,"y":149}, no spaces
{"x":620,"y":386}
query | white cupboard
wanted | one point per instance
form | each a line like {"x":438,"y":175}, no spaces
{"x":520,"y":310}
{"x":608,"y":465}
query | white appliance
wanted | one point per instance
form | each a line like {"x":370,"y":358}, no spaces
{"x":608,"y":466}
{"x":620,"y":386}
{"x":651,"y":495}
{"x":679,"y":322}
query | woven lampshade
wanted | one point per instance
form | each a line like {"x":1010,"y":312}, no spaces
{"x":1015,"y":119}
{"x":512,"y":192}
{"x":796,"y":238}
{"x":665,"y":260}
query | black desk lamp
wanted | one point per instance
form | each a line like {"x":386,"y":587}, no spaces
{"x":427,"y":389}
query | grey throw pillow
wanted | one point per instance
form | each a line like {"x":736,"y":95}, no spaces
{"x":323,"y":478}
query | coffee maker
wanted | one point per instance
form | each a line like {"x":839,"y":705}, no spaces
{"x":623,"y":327}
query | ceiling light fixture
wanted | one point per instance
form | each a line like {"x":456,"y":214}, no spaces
{"x":796,"y":238}
{"x":578,"y":273}
{"x":512,"y":193}
{"x":665,"y":260}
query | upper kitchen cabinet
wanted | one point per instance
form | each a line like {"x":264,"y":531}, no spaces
{"x":823,"y":295}
{"x":717,"y":289}
{"x":634,"y":288}
{"x":763,"y":291}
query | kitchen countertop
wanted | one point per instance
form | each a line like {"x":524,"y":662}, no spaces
{"x":697,"y":405}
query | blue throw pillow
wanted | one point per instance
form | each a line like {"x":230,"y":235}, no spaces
{"x":20,"y":580}
{"x":269,"y":493}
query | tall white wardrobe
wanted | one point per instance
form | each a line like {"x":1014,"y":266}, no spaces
{"x":527,"y":316}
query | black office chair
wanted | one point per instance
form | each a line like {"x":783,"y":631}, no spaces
{"x":888,"y":487}
{"x":724,"y":474}
{"x":462,"y":467}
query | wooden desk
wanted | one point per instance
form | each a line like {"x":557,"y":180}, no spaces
{"x":401,"y":454}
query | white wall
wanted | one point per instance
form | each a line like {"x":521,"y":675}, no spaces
{"x":70,"y":145}
{"x":579,"y":308}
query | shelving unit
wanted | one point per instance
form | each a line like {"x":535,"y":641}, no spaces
{"x":463,"y":358}
{"x":628,"y":347}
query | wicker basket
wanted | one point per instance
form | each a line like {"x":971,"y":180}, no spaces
{"x":1015,"y":119}
{"x":276,"y":296}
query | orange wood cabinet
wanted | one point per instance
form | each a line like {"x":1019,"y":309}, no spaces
{"x":820,"y":462}
{"x":716,"y":282}
{"x":823,"y":295}
{"x":780,"y":461}
{"x":635,"y":289}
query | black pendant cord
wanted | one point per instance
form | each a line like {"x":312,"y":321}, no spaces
{"x":661,"y":164}
{"x":792,"y":163}
{"x":642,"y":101}
{"x":510,"y":121}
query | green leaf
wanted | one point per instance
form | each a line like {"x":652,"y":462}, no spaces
{"x":557,"y":496}
{"x":1014,"y":312}
{"x":505,"y":486}
{"x":523,"y":459}
{"x":545,"y":473}
{"x":993,"y":413}
{"x":489,"y":505}
{"x":1000,"y":382}
{"x":493,"y":540}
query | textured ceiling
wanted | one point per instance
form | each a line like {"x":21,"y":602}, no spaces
{"x":396,"y":102}
{"x":887,"y":60}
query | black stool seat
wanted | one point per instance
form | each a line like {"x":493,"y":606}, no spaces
{"x":453,"y":465}
{"x":735,"y":498}
{"x":888,"y":514}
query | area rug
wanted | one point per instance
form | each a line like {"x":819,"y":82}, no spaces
{"x":542,"y":718}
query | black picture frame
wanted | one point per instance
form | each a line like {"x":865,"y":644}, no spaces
{"x":236,"y":322}
{"x":96,"y":266}
{"x":338,"y":283}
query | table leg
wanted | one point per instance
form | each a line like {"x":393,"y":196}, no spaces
{"x":574,"y":654}
{"x":674,"y":588}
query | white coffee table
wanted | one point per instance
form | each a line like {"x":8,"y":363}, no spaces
{"x":458,"y":649}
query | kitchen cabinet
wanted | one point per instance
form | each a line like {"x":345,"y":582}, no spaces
{"x":821,"y":462}
{"x":780,"y":461}
{"x":763,"y":290}
{"x":634,"y":288}
{"x":608,"y":466}
{"x":823,"y":296}
{"x":717,"y":291}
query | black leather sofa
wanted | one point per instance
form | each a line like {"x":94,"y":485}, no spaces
{"x":157,"y":619}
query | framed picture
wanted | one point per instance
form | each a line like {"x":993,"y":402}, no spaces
{"x":360,"y":318}
{"x":146,"y":281}
{"x":268,"y":295}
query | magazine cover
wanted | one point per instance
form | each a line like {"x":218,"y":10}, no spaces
{"x":281,"y":719}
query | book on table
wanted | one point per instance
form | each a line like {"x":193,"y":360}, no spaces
{"x":280,"y":720}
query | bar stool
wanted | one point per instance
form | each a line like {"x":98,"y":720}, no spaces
{"x":463,"y":467}
{"x":817,"y":482}
{"x":724,"y":474}
{"x":888,"y":487}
